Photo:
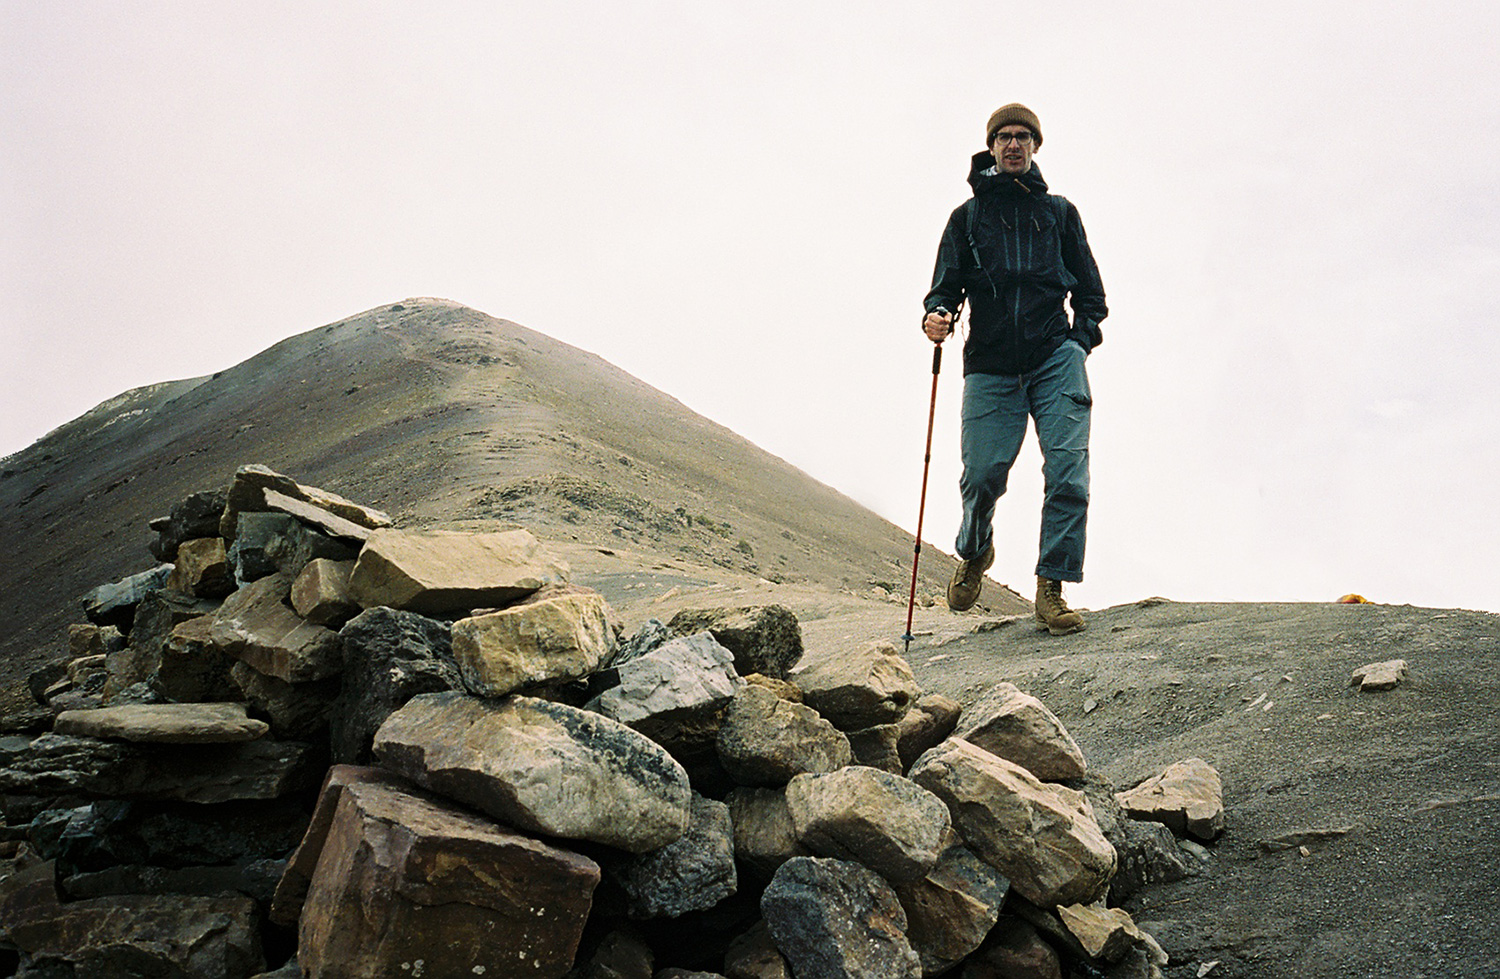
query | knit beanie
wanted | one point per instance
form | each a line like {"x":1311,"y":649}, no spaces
{"x":1013,"y":113}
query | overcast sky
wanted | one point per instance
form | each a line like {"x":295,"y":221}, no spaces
{"x":1295,"y":208}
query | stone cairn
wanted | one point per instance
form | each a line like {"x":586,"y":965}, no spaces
{"x":310,"y":738}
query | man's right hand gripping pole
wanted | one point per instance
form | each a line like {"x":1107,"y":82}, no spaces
{"x":938,"y":325}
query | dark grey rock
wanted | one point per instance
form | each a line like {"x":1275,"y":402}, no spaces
{"x":47,"y":827}
{"x":389,"y":657}
{"x":112,"y":833}
{"x":647,"y":638}
{"x":197,"y":516}
{"x":1147,"y":852}
{"x":951,"y":910}
{"x":191,"y":668}
{"x":295,"y":711}
{"x":693,"y":873}
{"x":137,"y":693}
{"x":255,"y":879}
{"x":114,"y":604}
{"x":157,"y":615}
{"x":258,"y":534}
{"x":29,"y":719}
{"x":675,"y":695}
{"x":290,"y":970}
{"x":621,"y":954}
{"x":765,"y":639}
{"x":64,"y":765}
{"x":267,"y":543}
{"x":41,"y":679}
{"x":837,"y":920}
{"x":168,"y":935}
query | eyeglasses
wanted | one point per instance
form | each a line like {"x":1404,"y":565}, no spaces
{"x":1024,"y":138}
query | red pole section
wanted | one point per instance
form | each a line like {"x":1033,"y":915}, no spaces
{"x":911,"y":600}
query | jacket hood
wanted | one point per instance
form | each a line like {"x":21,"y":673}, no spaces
{"x":988,"y":183}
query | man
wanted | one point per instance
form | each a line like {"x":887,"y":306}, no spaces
{"x":1014,"y":251}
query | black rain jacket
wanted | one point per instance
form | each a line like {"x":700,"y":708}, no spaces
{"x":1014,"y":251}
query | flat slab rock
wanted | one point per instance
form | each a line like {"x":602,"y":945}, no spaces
{"x":1379,"y":676}
{"x":247,"y":494}
{"x":254,"y":625}
{"x":441,"y":572}
{"x":164,"y":723}
{"x":61,"y":764}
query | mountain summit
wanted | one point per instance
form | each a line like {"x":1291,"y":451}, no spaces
{"x":438,"y":414}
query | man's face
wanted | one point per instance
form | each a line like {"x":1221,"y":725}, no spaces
{"x":1012,"y":155}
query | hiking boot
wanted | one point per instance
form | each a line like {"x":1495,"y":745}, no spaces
{"x":1052,"y":612}
{"x":968,"y":579}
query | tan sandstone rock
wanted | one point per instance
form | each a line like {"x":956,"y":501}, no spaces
{"x":928,"y":724}
{"x":1379,"y":676}
{"x":438,"y":572}
{"x":247,"y":494}
{"x":1188,"y":797}
{"x":254,"y":626}
{"x":871,"y":817}
{"x":291,"y":890}
{"x":861,"y":689}
{"x":764,"y":837}
{"x":1040,"y":835}
{"x":1018,"y":727}
{"x":563,"y":637}
{"x":202,"y":569}
{"x":315,"y":516}
{"x":1107,"y":934}
{"x":164,"y":723}
{"x":320,"y":593}
{"x":765,"y":740}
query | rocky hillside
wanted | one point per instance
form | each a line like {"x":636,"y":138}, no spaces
{"x":435,"y":413}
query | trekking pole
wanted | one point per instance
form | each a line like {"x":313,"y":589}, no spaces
{"x":916,"y":557}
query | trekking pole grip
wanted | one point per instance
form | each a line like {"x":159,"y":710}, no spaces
{"x":937,"y":358}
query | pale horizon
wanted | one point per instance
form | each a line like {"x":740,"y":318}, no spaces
{"x":1292,"y":207}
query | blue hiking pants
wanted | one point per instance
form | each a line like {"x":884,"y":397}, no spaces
{"x":1056,"y":396}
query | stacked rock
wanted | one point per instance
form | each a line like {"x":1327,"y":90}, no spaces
{"x":515,"y":789}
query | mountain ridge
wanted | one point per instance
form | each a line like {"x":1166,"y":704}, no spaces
{"x":435,"y":412}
